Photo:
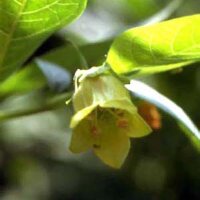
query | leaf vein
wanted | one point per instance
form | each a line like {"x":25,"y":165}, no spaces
{"x":17,"y":2}
{"x":46,"y":7}
{"x":39,"y":32}
{"x":12,"y":30}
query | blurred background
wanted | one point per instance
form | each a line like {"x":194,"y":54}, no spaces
{"x":35,"y":163}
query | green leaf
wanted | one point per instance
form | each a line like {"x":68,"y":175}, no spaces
{"x":156,"y":48}
{"x":26,"y":80}
{"x":25,"y":24}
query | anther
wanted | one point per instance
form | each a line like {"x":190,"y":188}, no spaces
{"x":122,"y":123}
{"x":94,"y":131}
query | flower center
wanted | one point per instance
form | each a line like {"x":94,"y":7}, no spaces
{"x":110,"y":115}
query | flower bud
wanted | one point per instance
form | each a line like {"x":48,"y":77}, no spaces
{"x":150,"y":114}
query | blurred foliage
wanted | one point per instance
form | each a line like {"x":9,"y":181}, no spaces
{"x":35,"y":162}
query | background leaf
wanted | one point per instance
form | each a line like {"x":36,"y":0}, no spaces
{"x":67,"y":57}
{"x":157,"y":48}
{"x":104,"y":21}
{"x":25,"y":24}
{"x":25,"y":80}
{"x":57,"y":77}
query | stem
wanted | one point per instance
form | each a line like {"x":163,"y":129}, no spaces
{"x":83,"y":61}
{"x":47,"y":106}
{"x":92,"y":72}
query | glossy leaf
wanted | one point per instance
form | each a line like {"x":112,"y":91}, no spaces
{"x":156,"y":48}
{"x":25,"y":24}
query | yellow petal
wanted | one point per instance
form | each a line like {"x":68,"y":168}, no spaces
{"x":80,"y":115}
{"x":123,"y":104}
{"x":81,"y":138}
{"x":113,"y":144}
{"x":138,"y":127}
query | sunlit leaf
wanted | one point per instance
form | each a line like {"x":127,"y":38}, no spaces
{"x":25,"y":24}
{"x":156,"y":48}
{"x":149,"y":94}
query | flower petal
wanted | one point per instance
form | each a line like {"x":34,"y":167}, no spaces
{"x":138,"y":127}
{"x":122,"y":104}
{"x":80,"y":115}
{"x":113,"y":144}
{"x":81,"y":138}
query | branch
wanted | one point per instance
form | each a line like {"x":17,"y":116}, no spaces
{"x":47,"y":106}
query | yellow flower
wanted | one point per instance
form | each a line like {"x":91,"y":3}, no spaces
{"x":104,"y":119}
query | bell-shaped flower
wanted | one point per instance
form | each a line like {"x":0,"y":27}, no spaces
{"x":104,"y":120}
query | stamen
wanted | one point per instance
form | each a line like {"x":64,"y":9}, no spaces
{"x":90,"y":117}
{"x":120,"y":113}
{"x":122,"y":123}
{"x":112,"y":111}
{"x":94,"y":131}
